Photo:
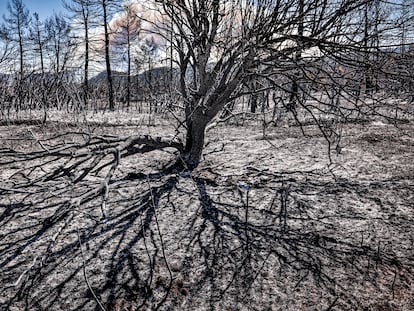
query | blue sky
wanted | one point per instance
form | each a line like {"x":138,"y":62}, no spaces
{"x":44,"y":8}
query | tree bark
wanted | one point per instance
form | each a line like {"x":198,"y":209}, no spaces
{"x":195,"y":139}
{"x":129,"y":67}
{"x":85,"y":12}
{"x":107,"y":57}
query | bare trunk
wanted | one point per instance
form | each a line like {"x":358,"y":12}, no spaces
{"x":367,"y":73}
{"x":129,"y":71}
{"x":253,"y":103}
{"x":195,"y":140}
{"x":86,"y":66}
{"x":21,"y":69}
{"x":107,"y":58}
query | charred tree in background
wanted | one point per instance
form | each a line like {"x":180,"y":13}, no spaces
{"x":406,"y":21}
{"x":5,"y":46}
{"x":105,"y":11}
{"x":59,"y":46}
{"x":125,"y":39}
{"x":297,"y":59}
{"x":17,"y":23}
{"x":367,"y":42}
{"x":39,"y":39}
{"x":83,"y":13}
{"x":128,"y":35}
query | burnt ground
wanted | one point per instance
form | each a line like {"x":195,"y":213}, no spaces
{"x":261,"y":224}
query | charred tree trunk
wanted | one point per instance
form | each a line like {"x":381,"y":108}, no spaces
{"x":367,"y":49}
{"x":86,"y":65}
{"x":107,"y":57}
{"x":253,"y":103}
{"x":128,"y":99}
{"x":195,"y":136}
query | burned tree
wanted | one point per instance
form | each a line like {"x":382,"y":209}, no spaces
{"x":59,"y":46}
{"x":106,"y":215}
{"x":223,"y":45}
{"x":38,"y":36}
{"x":17,"y":23}
{"x":84,"y":18}
{"x":104,"y":7}
{"x":125,"y":34}
{"x":219,"y":47}
{"x":5,"y":46}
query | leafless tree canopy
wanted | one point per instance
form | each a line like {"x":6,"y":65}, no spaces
{"x":222,"y":46}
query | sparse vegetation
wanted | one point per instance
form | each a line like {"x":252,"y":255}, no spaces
{"x":258,"y":156}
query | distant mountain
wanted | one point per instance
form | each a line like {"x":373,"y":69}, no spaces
{"x":67,"y":75}
{"x":153,"y":76}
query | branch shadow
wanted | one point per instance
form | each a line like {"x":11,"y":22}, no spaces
{"x":242,"y":250}
{"x":182,"y":242}
{"x":41,"y":245}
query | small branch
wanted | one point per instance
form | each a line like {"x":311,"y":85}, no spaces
{"x":246,"y":230}
{"x":17,"y":190}
{"x":51,"y":243}
{"x":332,"y":304}
{"x":86,"y":276}
{"x":162,"y":246}
{"x":105,"y":183}
{"x":25,"y":271}
{"x":38,"y":141}
{"x":393,"y":284}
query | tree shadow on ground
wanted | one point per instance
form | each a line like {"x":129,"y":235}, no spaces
{"x":247,"y":245}
{"x":182,"y":241}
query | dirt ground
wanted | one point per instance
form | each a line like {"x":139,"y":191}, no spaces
{"x":262,"y":224}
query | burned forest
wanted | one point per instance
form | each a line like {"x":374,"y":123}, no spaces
{"x":207,"y":155}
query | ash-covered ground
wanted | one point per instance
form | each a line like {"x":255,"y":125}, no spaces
{"x":264,"y":223}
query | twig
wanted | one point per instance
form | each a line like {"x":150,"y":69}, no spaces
{"x":17,"y":190}
{"x":246,"y":230}
{"x":333,"y":304}
{"x":256,"y":275}
{"x":268,"y":141}
{"x":393,"y":283}
{"x":105,"y":184}
{"x":146,"y":249}
{"x":162,"y":246}
{"x":378,"y":255}
{"x":284,"y":197}
{"x":25,"y":271}
{"x":51,"y":243}
{"x":38,"y":141}
{"x":85,"y":275}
